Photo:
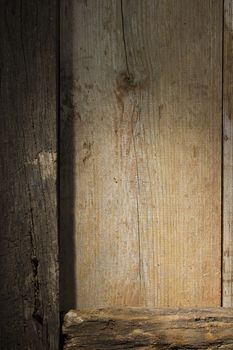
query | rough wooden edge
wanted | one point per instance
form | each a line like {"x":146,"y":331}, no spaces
{"x":139,"y":328}
{"x":29,"y":307}
{"x":228,"y":155}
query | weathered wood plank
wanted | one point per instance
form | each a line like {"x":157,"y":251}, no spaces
{"x":136,"y":328}
{"x":228,"y":155}
{"x":29,"y":309}
{"x":141,"y":152}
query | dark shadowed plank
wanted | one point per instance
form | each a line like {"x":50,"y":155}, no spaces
{"x":29,"y":317}
{"x":138,"y":328}
{"x":228,"y":156}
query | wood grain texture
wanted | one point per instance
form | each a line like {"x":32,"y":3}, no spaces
{"x":29,"y":310}
{"x":149,"y":329}
{"x":228,"y":156}
{"x":141,"y":114}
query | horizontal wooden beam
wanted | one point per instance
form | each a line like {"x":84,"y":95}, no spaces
{"x":139,"y":328}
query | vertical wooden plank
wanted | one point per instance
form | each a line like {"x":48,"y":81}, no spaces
{"x":29,"y":310}
{"x":141,"y":92}
{"x":177,"y":132}
{"x":228,"y":156}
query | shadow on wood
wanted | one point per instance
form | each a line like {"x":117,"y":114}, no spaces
{"x":67,"y":177}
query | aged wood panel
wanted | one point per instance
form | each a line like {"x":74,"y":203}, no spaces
{"x":141,"y":153}
{"x":228,"y":155}
{"x":29,"y":310}
{"x":139,"y":328}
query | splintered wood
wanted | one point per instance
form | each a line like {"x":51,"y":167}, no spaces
{"x":126,"y":328}
{"x":141,"y":153}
